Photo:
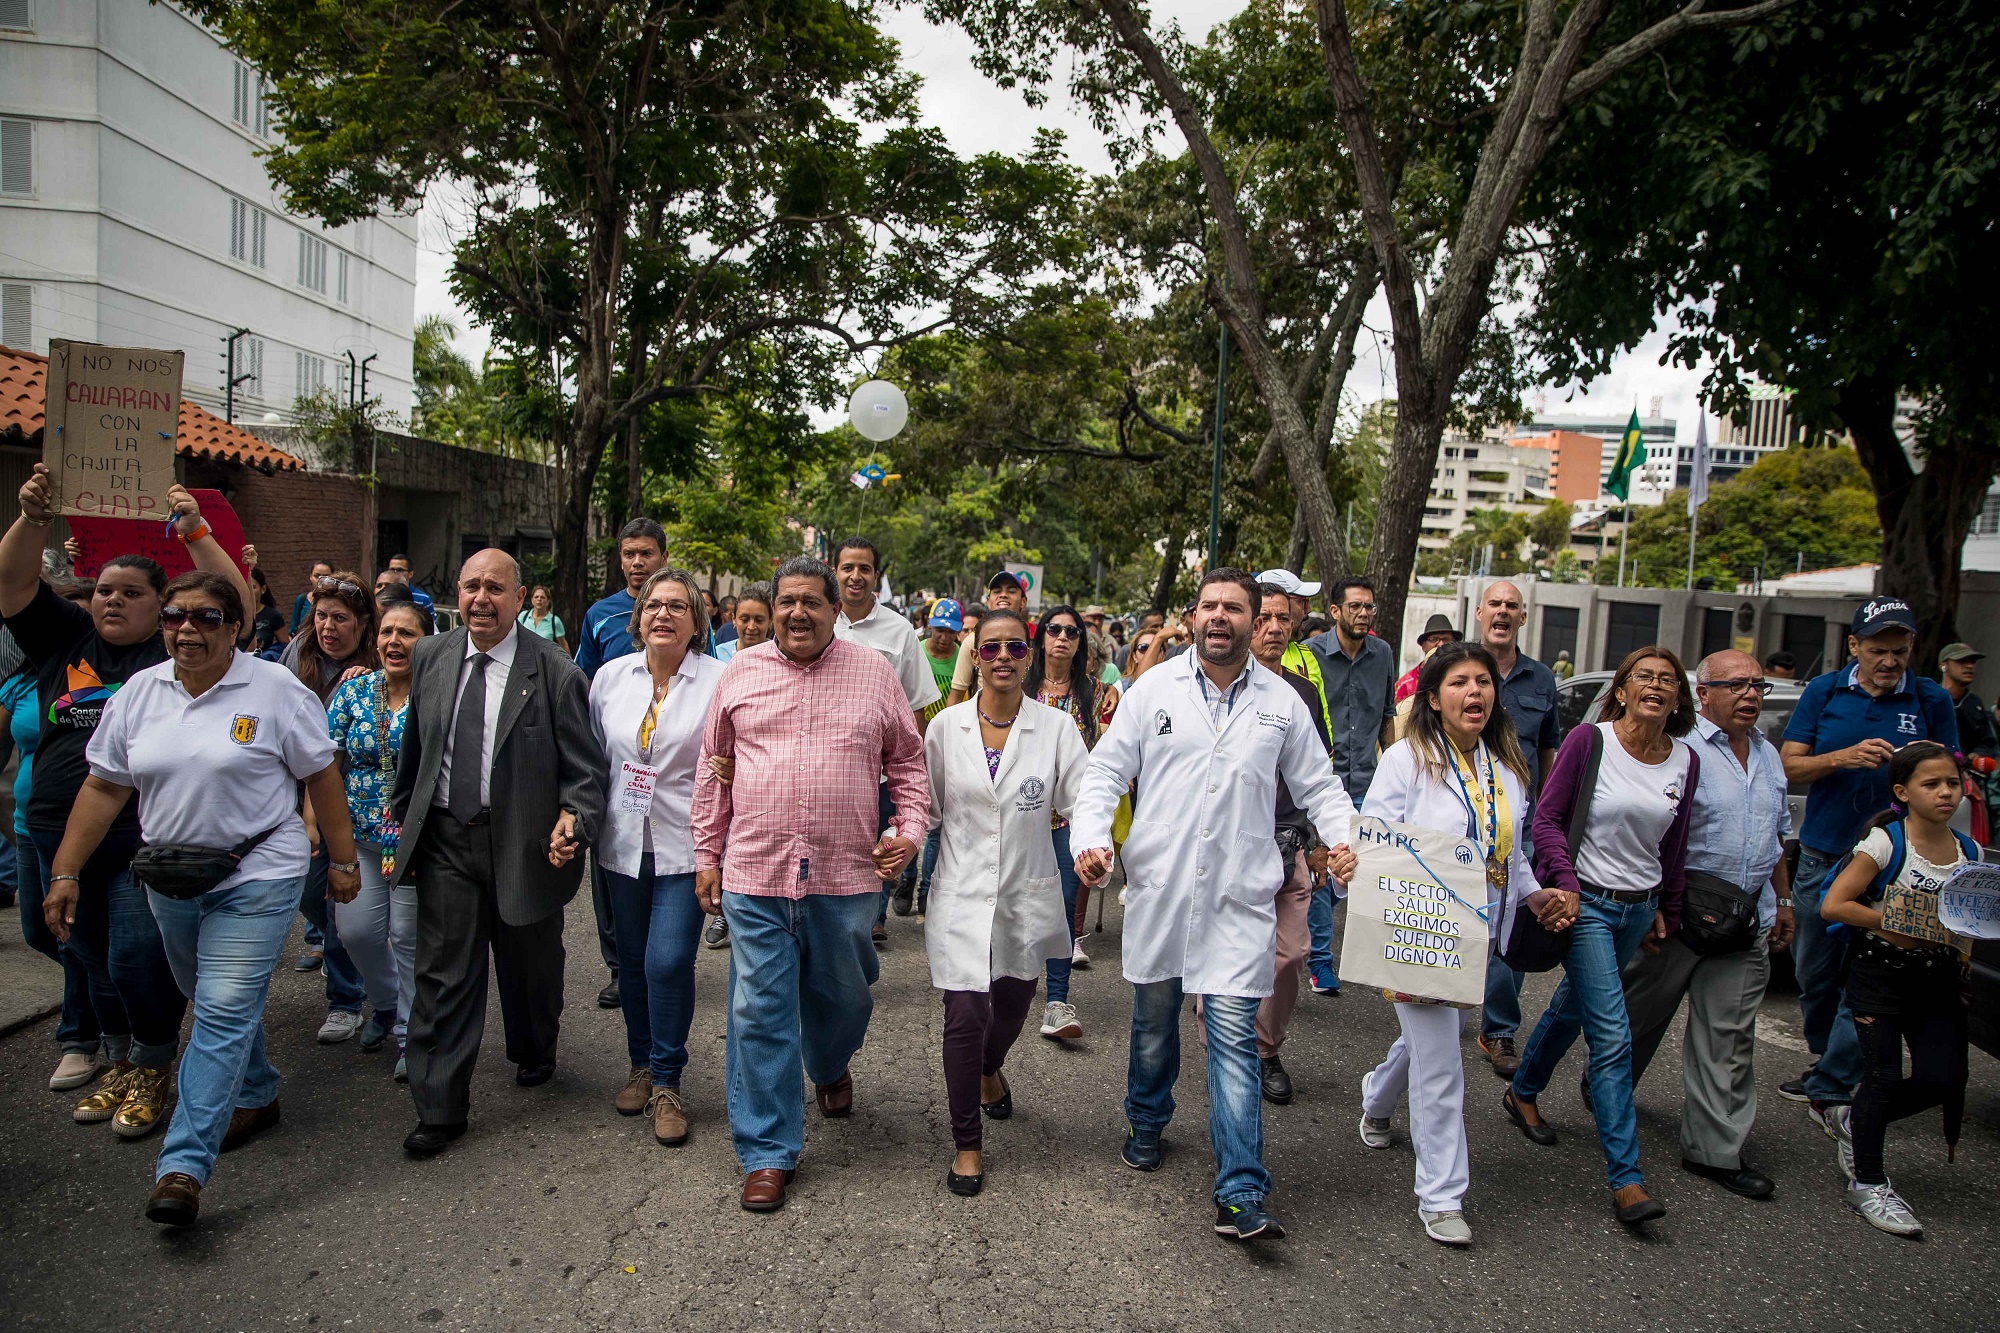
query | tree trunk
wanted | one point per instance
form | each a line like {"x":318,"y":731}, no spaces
{"x":1925,"y":515}
{"x":1170,"y":567}
{"x":1399,"y":513}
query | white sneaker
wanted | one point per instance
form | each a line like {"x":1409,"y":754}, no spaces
{"x":1884,"y":1209}
{"x":1839,"y":1126}
{"x":1376,"y":1133}
{"x":1077,"y":957}
{"x":1446,"y":1228}
{"x":339,"y":1026}
{"x":1059,"y":1022}
{"x":74,"y":1070}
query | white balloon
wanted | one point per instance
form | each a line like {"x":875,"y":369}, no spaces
{"x":878,"y":410}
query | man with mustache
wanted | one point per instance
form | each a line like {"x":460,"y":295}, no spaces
{"x":806,"y":725}
{"x":1207,"y":735}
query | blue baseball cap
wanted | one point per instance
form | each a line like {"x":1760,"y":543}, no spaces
{"x":1879,"y":615}
{"x":946,"y":613}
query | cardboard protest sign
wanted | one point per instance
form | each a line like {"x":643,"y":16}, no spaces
{"x":113,"y":414}
{"x":1912,"y":910}
{"x":1969,"y":902}
{"x":102,"y":538}
{"x":1416,"y":913}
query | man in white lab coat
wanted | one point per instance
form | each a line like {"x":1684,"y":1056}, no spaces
{"x":1207,"y":735}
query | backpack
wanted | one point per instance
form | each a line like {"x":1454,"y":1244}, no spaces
{"x":1899,"y":849}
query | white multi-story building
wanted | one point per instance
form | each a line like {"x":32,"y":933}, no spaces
{"x":135,"y":211}
{"x":1482,"y":473}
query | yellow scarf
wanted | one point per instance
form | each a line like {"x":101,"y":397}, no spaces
{"x":1474,"y":783}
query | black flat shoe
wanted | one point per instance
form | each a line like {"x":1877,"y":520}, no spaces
{"x":1632,"y":1214}
{"x":533,"y":1076}
{"x":1743,"y":1180}
{"x":964,"y":1186}
{"x":430,"y":1140}
{"x":1541,"y":1134}
{"x":999,"y":1110}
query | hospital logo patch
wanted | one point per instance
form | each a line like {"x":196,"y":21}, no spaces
{"x":1163,"y":724}
{"x":1031,"y":789}
{"x":243,"y":730}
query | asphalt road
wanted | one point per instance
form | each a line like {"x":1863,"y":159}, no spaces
{"x":555,"y":1212}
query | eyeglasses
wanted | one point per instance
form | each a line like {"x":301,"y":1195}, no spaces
{"x":1649,"y":678}
{"x":1062,"y":631}
{"x":204,"y":617}
{"x":331,"y":584}
{"x":1016,"y":649}
{"x":654,"y":608}
{"x":1741,"y":685}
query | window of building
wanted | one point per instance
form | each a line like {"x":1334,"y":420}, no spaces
{"x":309,"y":373}
{"x":17,"y":157}
{"x":17,"y":314}
{"x":1451,"y":451}
{"x":1987,"y":522}
{"x":246,"y":232}
{"x":1471,"y":453}
{"x":17,"y":14}
{"x":312,"y":263}
{"x":250,"y":365}
{"x":341,"y":288}
{"x":246,"y":103}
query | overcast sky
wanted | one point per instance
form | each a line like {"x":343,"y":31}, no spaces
{"x":978,"y":116}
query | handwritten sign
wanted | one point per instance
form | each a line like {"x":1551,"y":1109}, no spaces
{"x":102,"y":538}
{"x":1416,"y":913}
{"x":1969,"y":902}
{"x":113,"y":414}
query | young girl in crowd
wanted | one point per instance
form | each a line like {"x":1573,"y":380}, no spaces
{"x":1905,"y":974}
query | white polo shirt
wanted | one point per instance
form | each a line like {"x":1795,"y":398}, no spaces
{"x":891,"y":635}
{"x":215,"y":770}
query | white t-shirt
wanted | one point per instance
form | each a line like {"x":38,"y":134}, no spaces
{"x":216,"y":770}
{"x":893,"y":637}
{"x":1921,"y":877}
{"x":1630,"y":813}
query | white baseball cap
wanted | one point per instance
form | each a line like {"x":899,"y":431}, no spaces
{"x":1290,"y":582}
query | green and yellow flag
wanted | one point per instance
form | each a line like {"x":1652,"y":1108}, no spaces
{"x":1629,"y":458}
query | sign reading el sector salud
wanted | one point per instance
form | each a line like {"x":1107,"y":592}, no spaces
{"x":112,"y":417}
{"x":1416,"y":907}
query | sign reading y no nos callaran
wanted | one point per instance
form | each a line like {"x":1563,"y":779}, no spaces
{"x":112,"y":414}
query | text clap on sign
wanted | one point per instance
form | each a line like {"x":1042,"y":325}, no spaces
{"x":113,"y":415}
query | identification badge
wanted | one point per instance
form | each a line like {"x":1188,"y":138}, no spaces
{"x":635,"y":788}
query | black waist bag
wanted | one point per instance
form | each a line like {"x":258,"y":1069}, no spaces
{"x":1531,"y":946}
{"x":182,"y":870}
{"x":1716,"y":916}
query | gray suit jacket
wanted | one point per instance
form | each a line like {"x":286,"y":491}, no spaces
{"x":545,"y":760}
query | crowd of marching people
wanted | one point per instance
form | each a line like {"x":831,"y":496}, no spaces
{"x":776,"y":773}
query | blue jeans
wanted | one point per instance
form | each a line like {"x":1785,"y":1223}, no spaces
{"x":115,"y":937}
{"x":224,"y":946}
{"x":1235,"y":1098}
{"x":1818,"y":960}
{"x":1500,"y":1012}
{"x":932,"y":842}
{"x":1319,"y":926}
{"x":657,"y":923}
{"x":885,"y":809}
{"x":344,"y":987}
{"x":76,"y":1031}
{"x":1059,"y":968}
{"x":1591,"y":1000}
{"x":800,"y":970}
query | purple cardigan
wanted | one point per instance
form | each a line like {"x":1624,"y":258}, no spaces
{"x":1553,"y":866}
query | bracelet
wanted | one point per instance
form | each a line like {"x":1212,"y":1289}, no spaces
{"x":201,"y":530}
{"x":71,"y":878}
{"x":37,"y":522}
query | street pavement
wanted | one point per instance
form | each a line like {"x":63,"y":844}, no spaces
{"x":556,"y":1213}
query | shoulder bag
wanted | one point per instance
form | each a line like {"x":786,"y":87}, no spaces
{"x":1532,"y":946}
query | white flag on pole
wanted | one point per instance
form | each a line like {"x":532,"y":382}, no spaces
{"x":1698,"y":480}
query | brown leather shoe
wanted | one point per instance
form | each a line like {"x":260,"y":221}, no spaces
{"x":638,"y":1090}
{"x":764,"y":1191}
{"x":246,"y":1122}
{"x":836,"y":1099}
{"x":175,"y":1200}
{"x":670,"y":1122}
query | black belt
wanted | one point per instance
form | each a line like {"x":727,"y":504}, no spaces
{"x":1618,"y":895}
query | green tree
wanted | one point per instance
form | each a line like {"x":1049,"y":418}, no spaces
{"x":1549,"y":529}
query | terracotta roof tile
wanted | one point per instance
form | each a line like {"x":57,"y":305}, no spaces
{"x":24,"y":396}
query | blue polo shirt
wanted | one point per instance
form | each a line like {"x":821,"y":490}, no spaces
{"x":1836,"y":712}
{"x":607,"y":632}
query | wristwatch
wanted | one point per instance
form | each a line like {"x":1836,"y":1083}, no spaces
{"x":346,"y":867}
{"x":1785,"y":903}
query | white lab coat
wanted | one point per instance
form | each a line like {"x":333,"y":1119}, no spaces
{"x":1201,"y":863}
{"x":996,"y":904}
{"x":1403,"y":792}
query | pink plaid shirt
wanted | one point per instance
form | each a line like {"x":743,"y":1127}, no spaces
{"x":810,"y":742}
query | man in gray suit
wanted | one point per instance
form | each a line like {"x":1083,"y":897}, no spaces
{"x":500,"y":784}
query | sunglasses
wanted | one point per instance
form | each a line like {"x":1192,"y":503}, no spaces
{"x":204,"y":617}
{"x":1016,"y":649}
{"x":331,"y":584}
{"x":1062,"y":631}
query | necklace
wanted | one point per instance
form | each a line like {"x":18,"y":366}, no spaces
{"x":995,"y":723}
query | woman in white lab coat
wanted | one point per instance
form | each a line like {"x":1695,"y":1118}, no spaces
{"x":1000,"y":765}
{"x":1458,"y":769}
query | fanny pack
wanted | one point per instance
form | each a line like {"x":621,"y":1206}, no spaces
{"x":183,"y":870}
{"x":1717,"y":917}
